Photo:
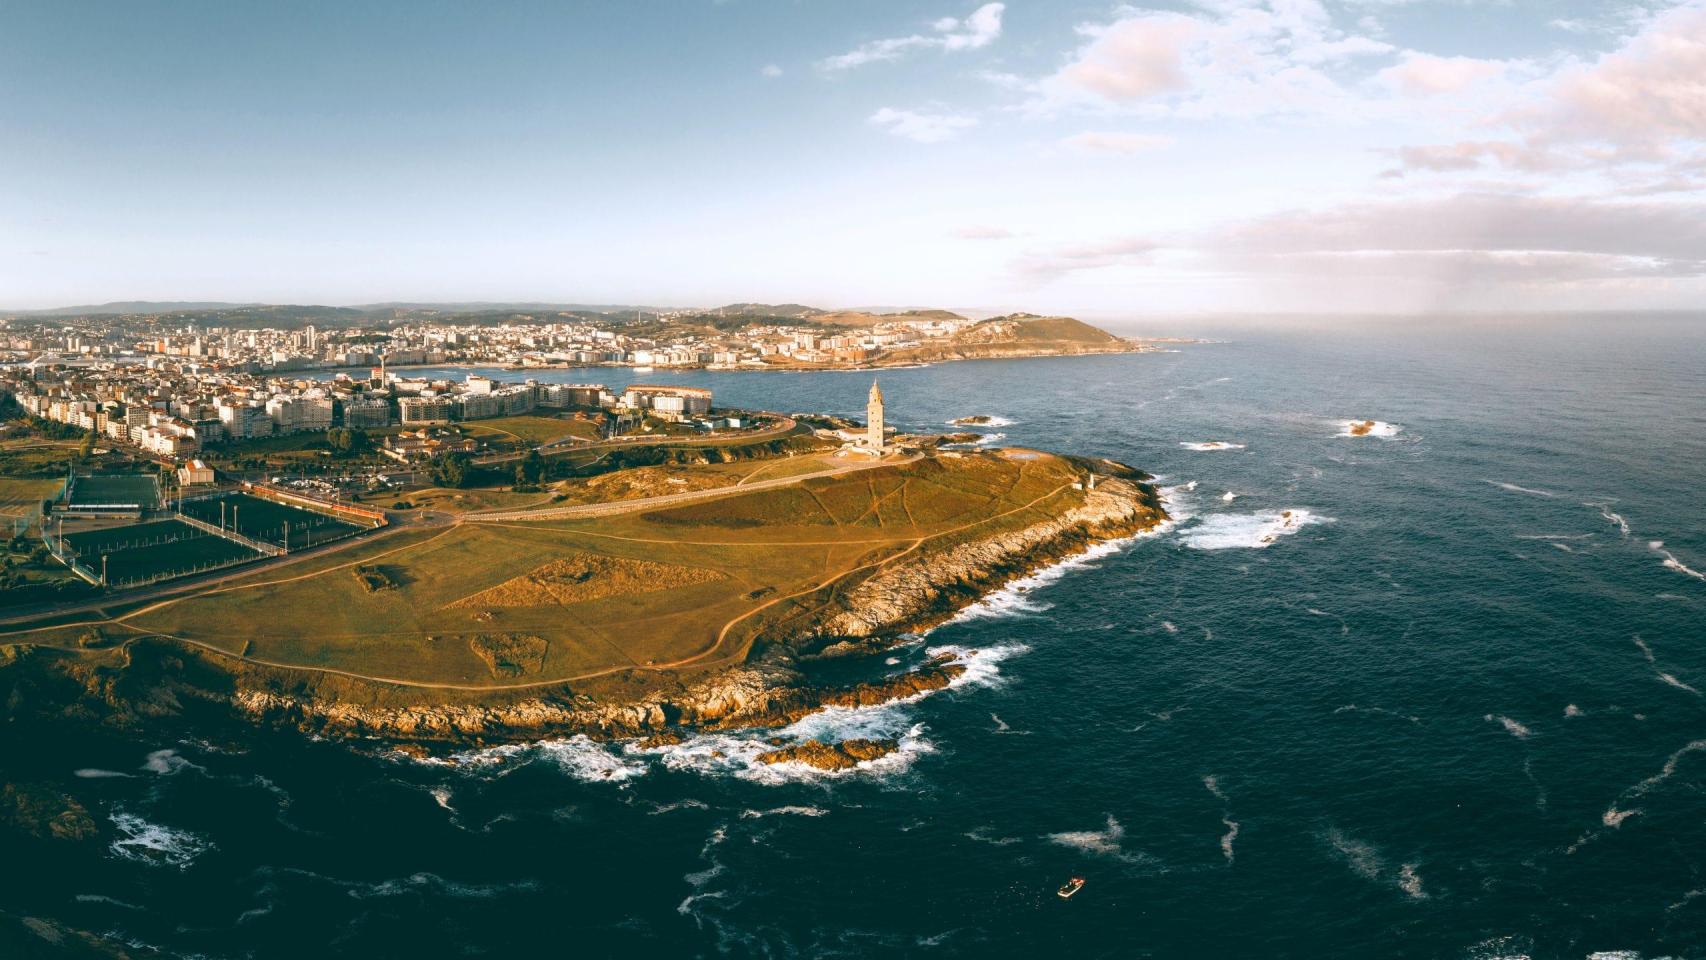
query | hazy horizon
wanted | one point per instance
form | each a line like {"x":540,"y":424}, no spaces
{"x":1095,"y":159}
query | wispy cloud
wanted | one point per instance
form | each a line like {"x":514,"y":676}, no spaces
{"x":922,"y":126}
{"x":770,"y":71}
{"x":1126,"y":144}
{"x":980,"y":29}
{"x":1223,"y":59}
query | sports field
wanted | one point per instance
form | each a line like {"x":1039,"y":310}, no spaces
{"x":687,"y":585}
{"x":268,"y":520}
{"x":114,"y":490}
{"x":159,"y":549}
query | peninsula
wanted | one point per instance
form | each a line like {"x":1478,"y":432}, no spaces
{"x":704,"y":589}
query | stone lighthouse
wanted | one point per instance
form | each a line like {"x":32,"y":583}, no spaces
{"x":874,"y":418}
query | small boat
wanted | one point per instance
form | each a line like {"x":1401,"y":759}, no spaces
{"x":1070,"y":887}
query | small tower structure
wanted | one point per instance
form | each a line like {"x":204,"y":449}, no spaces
{"x":874,"y":418}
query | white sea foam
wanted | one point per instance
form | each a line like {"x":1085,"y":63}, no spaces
{"x":1571,"y":710}
{"x":579,"y":756}
{"x":1228,"y":531}
{"x":1512,"y":727}
{"x":1672,"y":563}
{"x":1105,"y":842}
{"x":1015,"y":600}
{"x":435,"y":884}
{"x":1410,"y":881}
{"x":1229,"y":496}
{"x":1645,"y":650}
{"x":787,"y":811}
{"x":155,"y":844}
{"x":1208,"y":446}
{"x":167,"y":763}
{"x":1212,"y":783}
{"x":1614,"y":817}
{"x":1673,"y":681}
{"x":1361,"y":857}
{"x":1513,"y":488}
{"x":1378,"y":428}
{"x":103,"y":898}
{"x":688,"y":804}
{"x":1169,"y":626}
{"x":1378,"y":711}
{"x":96,"y":773}
{"x":991,"y":422}
{"x":982,"y":835}
{"x":1611,"y":516}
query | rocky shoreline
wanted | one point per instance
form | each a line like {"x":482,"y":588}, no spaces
{"x":156,"y":680}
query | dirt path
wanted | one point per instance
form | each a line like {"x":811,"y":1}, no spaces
{"x":704,"y":657}
{"x":665,"y":499}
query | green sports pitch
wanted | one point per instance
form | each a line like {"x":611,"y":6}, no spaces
{"x":270,"y":521}
{"x":111,"y":491}
{"x":157,"y":550}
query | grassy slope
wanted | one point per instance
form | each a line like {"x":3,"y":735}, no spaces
{"x":767,"y":545}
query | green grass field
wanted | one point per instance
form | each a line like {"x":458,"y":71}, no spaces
{"x":754,"y":562}
{"x":114,"y":489}
{"x":266,"y":520}
{"x":533,"y":429}
{"x":143,"y":551}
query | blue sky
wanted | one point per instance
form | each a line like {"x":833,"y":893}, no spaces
{"x":1106,"y":160}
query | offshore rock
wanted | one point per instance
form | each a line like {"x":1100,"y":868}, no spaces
{"x":831,"y":756}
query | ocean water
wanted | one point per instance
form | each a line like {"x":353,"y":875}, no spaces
{"x":1432,"y":692}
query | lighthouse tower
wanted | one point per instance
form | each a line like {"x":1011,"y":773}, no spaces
{"x":874,"y":419}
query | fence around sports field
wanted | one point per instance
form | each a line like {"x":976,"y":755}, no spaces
{"x":146,"y":553}
{"x":263,"y":516}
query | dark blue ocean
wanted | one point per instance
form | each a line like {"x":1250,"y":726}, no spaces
{"x":1452,"y":707}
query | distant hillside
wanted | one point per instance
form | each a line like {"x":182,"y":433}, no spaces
{"x":1029,"y":327}
{"x":792,"y":311}
{"x":135,"y":306}
{"x":865,"y":318}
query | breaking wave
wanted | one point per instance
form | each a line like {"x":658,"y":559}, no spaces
{"x":579,"y":756}
{"x":1015,"y":600}
{"x":1512,"y":727}
{"x":1672,"y":563}
{"x":1207,"y":446}
{"x":155,"y":844}
{"x":1228,"y":531}
{"x":1513,"y":488}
